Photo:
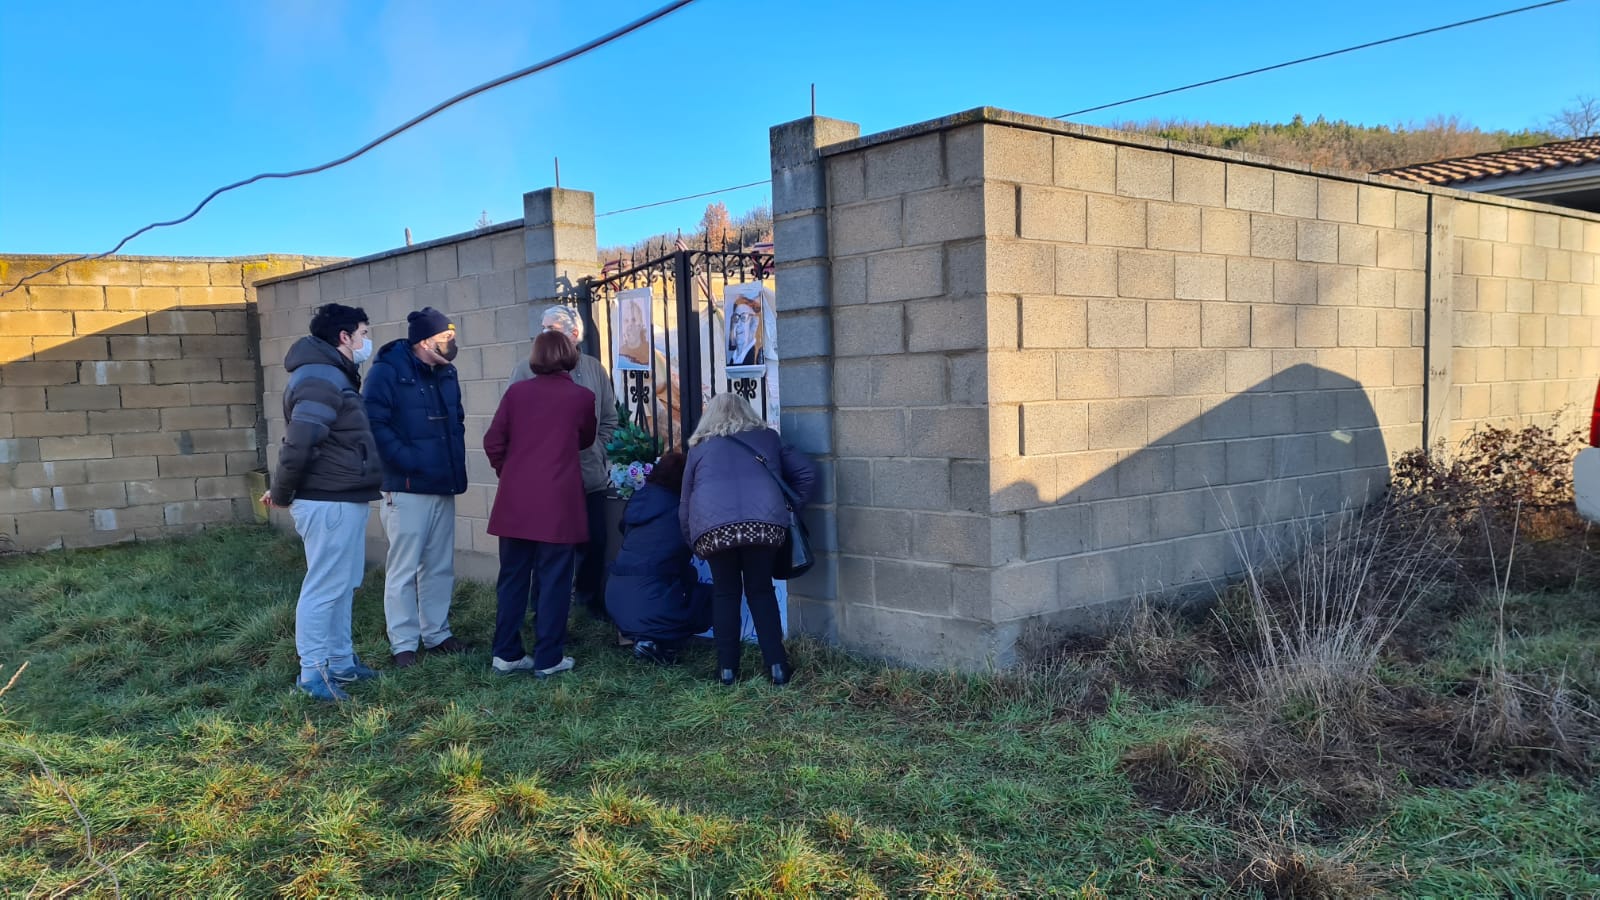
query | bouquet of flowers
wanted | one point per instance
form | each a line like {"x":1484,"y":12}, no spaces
{"x":627,"y":478}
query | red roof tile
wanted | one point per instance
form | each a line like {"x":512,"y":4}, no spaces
{"x":1558,"y":155}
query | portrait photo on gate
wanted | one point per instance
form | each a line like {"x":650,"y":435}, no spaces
{"x":747,"y":307}
{"x":633,"y":330}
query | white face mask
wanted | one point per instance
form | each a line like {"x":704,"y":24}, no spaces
{"x":362,"y":353}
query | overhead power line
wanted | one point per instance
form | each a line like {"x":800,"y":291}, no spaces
{"x":507,"y":78}
{"x":737,"y":187}
{"x":1306,"y":59}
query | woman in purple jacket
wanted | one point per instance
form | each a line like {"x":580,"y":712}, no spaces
{"x":735,"y":517}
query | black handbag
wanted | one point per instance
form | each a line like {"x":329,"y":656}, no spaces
{"x":794,"y":557}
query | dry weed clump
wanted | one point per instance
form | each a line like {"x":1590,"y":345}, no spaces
{"x":1496,"y":488}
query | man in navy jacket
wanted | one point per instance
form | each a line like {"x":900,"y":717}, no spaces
{"x":413,"y":400}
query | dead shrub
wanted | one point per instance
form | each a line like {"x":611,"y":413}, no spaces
{"x":1197,"y":769}
{"x":1278,"y":863}
{"x":1498,"y":484}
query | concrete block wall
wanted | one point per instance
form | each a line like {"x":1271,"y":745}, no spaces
{"x":490,"y":282}
{"x":1525,"y":301}
{"x":1066,"y":361}
{"x":128,"y":396}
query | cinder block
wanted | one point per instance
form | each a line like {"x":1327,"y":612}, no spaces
{"x":1056,"y":531}
{"x":1114,"y":222}
{"x":160,"y":443}
{"x":125,"y":348}
{"x":81,"y":446}
{"x":222,"y":346}
{"x":136,"y":468}
{"x":1294,"y":195}
{"x":1121,"y":522}
{"x":1085,"y":271}
{"x":919,"y":587}
{"x":62,"y":297}
{"x":870,"y":432}
{"x":17,"y":322}
{"x":869,"y":330}
{"x":1394,"y":249}
{"x":1052,"y":215}
{"x":1116,"y":323}
{"x":204,"y":464}
{"x":1202,"y":182}
{"x":864,"y":227}
{"x":1021,"y":376}
{"x":1336,"y":286}
{"x":1117,"y":424}
{"x":1272,"y":325}
{"x":1200,"y":278}
{"x":1144,"y":373}
{"x":157,"y":272}
{"x":960,"y":214}
{"x":184,"y":371}
{"x":1082,"y":477}
{"x":48,"y":424}
{"x":1225,"y":231}
{"x":1358,"y":327}
{"x":1317,"y":327}
{"x":1053,"y":323}
{"x":1010,"y":267}
{"x":951,"y":432}
{"x":111,"y":495}
{"x":1085,"y":165}
{"x":1054,"y":427}
{"x":1247,"y":370}
{"x":1172,"y":227}
{"x":1317,"y":241}
{"x":1336,"y":201}
{"x":875,"y":532}
{"x":197,"y":512}
{"x":1294,"y":282}
{"x":82,"y":396}
{"x":119,"y":421}
{"x":1272,"y":237}
{"x":35,"y":474}
{"x":1375,"y":206}
{"x":1410,"y":211}
{"x":905,"y":275}
{"x":1145,"y":274}
{"x":1358,"y":245}
{"x":951,"y":538}
{"x":1086,"y":375}
{"x":1249,"y":188}
{"x":1144,"y":173}
{"x":1250,"y":280}
{"x":1174,"y":420}
{"x":911,"y":483}
{"x":1173,"y":324}
{"x":143,"y":396}
{"x":1375,"y":287}
{"x":909,"y":380}
{"x":220,"y":394}
{"x":1018,"y":155}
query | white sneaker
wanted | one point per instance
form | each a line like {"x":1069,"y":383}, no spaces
{"x":564,"y":666}
{"x":515,"y":667}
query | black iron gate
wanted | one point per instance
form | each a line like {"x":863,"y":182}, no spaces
{"x":688,"y":339}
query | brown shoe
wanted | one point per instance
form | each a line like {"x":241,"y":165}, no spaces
{"x":405,"y":659}
{"x":450,"y":645}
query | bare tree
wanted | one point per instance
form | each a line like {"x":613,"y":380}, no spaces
{"x":1580,"y":120}
{"x":483,"y":221}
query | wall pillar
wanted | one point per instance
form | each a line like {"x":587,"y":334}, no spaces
{"x":805,"y":345}
{"x":559,"y":250}
{"x":1440,"y":348}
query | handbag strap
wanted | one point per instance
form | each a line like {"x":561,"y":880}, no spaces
{"x":788,"y":492}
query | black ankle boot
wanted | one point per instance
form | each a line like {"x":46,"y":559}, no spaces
{"x":781,"y":673}
{"x":728,"y":676}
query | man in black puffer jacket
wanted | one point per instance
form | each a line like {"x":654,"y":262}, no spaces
{"x":328,"y":472}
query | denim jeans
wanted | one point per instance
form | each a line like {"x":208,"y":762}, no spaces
{"x":335,"y":538}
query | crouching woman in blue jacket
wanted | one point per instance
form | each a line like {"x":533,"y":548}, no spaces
{"x":735,"y":516}
{"x":652,"y":592}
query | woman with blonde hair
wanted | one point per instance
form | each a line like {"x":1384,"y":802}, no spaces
{"x":735,"y":517}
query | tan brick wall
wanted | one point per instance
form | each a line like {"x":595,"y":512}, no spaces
{"x":480,"y":281}
{"x":128,"y":396}
{"x":1130,"y":346}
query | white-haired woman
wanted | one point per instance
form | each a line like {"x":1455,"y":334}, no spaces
{"x":735,"y":517}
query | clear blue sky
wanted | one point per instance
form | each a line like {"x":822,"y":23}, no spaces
{"x":115,"y":115}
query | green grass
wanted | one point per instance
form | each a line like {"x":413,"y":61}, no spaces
{"x":158,"y":698}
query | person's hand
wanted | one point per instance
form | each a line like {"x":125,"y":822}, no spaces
{"x":266,"y":500}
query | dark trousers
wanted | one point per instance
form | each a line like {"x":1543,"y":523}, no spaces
{"x":541,"y":574}
{"x":589,"y":585}
{"x":746,"y":571}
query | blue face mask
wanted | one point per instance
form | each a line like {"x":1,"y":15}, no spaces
{"x":362,"y":353}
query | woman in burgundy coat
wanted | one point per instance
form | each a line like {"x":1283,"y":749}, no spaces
{"x":539,"y":510}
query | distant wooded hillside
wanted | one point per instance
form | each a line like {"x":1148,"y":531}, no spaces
{"x":1345,"y":145}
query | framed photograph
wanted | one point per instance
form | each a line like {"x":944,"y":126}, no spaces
{"x":749,"y":312}
{"x":634,"y":346}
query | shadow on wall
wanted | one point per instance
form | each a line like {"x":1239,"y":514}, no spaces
{"x":1168,"y":518}
{"x":143,"y":428}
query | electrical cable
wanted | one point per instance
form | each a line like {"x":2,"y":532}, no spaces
{"x":1306,"y":59}
{"x":553,"y":61}
{"x":737,"y":187}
